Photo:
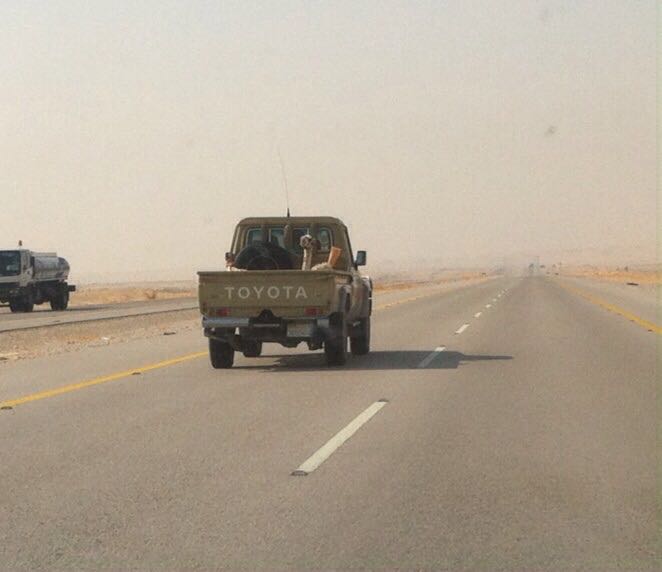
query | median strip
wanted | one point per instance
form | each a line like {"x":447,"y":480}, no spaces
{"x":324,"y":452}
{"x":97,"y":381}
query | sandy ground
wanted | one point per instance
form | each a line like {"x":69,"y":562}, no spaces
{"x":93,"y":294}
{"x":72,"y":337}
{"x":25,"y":344}
{"x":395,"y":283}
{"x":647,"y":275}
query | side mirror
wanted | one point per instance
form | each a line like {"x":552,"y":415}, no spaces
{"x":361,"y":258}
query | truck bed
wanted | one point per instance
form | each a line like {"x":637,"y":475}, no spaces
{"x":286,"y":293}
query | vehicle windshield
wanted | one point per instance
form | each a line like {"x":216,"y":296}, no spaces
{"x":10,"y":262}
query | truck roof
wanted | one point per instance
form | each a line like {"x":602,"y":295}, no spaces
{"x":32,"y":252}
{"x":291,"y":220}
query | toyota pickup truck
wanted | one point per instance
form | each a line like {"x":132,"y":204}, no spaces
{"x":288,"y":280}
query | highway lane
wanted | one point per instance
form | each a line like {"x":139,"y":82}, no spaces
{"x":43,"y":316}
{"x":527,"y":443}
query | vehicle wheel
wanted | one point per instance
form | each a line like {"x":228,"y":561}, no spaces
{"x":28,"y":302}
{"x":221,"y":354}
{"x":60,"y":302}
{"x":15,"y":305}
{"x":252,"y":348}
{"x":361,"y":343}
{"x":335,"y":350}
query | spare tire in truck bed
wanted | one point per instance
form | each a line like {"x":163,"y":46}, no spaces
{"x":263,"y":256}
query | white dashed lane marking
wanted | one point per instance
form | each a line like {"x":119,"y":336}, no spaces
{"x":324,"y":452}
{"x":462,"y":328}
{"x":428,"y":359}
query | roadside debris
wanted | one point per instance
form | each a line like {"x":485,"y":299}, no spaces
{"x":8,"y":356}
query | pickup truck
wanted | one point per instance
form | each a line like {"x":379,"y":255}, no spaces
{"x":288,"y":280}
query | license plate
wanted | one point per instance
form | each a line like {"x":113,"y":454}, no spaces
{"x":302,"y":330}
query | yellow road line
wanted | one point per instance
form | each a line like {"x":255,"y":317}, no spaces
{"x":452,"y":288}
{"x":98,"y":380}
{"x":115,"y":376}
{"x":123,"y":374}
{"x":650,"y":326}
{"x":412,"y":299}
{"x":405,"y":301}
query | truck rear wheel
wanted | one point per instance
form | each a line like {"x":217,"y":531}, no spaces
{"x":335,"y":350}
{"x":361,"y":343}
{"x":28,"y":301}
{"x":15,"y":305}
{"x":61,"y":301}
{"x":251,"y":348}
{"x":221,"y":354}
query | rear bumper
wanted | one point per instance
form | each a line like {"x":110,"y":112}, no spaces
{"x":285,"y":331}
{"x":282,"y":326}
{"x":224,"y":322}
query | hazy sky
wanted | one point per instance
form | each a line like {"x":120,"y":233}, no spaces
{"x":133,"y":135}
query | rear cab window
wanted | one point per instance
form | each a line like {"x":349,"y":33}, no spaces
{"x":276,"y":235}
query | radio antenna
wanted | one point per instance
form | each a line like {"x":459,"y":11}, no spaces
{"x":287,"y":191}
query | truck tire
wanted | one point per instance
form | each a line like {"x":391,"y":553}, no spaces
{"x":264,"y":256}
{"x":23,"y":304}
{"x":361,"y":343}
{"x":335,"y":350}
{"x":61,"y":301}
{"x":221,"y":354}
{"x":251,"y":348}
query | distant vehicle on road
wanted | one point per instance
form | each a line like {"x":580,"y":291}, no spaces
{"x":288,"y":280}
{"x":28,"y":278}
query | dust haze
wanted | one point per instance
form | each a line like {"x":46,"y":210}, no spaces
{"x":444,"y":134}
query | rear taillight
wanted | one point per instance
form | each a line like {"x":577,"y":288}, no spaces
{"x":313,"y":311}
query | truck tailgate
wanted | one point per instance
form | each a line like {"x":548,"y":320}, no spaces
{"x":286,"y":293}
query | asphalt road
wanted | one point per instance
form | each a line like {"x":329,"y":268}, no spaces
{"x":523,"y":438}
{"x":43,"y":316}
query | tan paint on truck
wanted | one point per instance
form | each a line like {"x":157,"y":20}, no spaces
{"x":324,"y":307}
